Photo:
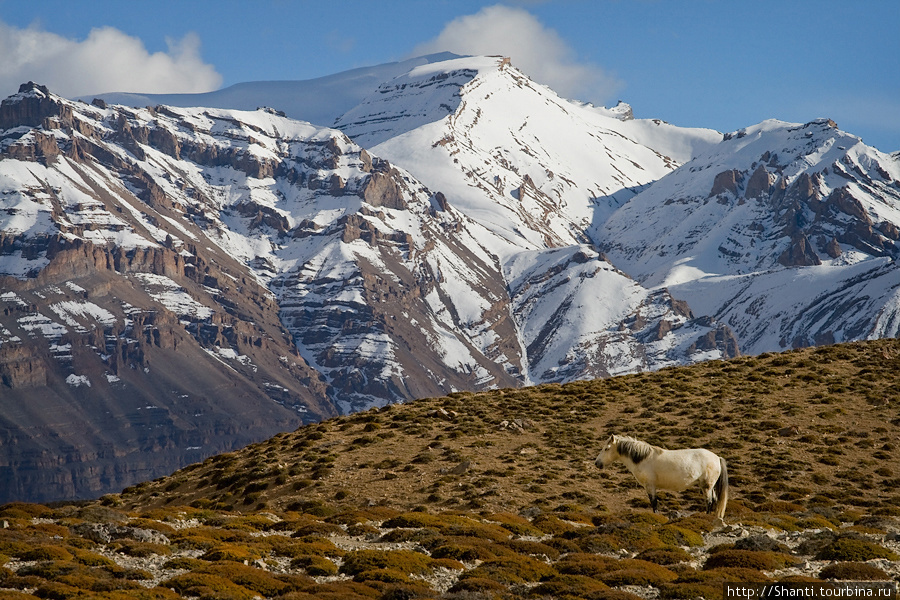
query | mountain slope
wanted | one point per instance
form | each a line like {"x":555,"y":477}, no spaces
{"x":496,"y":494}
{"x":788,"y":233}
{"x":816,"y":415}
{"x":320,"y":100}
{"x":129,"y":344}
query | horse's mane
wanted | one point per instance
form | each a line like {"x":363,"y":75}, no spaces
{"x":636,"y":450}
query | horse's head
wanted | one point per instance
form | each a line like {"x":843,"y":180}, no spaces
{"x":609,"y":454}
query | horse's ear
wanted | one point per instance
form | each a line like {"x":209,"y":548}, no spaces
{"x":612,"y":439}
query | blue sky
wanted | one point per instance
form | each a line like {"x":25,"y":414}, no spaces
{"x":703,"y":63}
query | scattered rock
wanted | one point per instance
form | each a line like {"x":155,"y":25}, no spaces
{"x":519,"y":425}
{"x":443,"y":413}
{"x":460,"y":469}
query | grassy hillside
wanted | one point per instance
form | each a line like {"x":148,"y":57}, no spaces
{"x":495,"y":494}
{"x":814,"y":427}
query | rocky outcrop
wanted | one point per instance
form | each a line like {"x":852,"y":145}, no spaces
{"x":759,"y":183}
{"x":382,"y":189}
{"x":33,"y":106}
{"x":800,"y":253}
{"x":21,"y":367}
{"x":726,"y":181}
{"x":720,"y":339}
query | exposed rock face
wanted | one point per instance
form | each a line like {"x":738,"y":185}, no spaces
{"x":759,"y":184}
{"x":34,"y":108}
{"x":800,"y":253}
{"x":726,"y":181}
{"x":122,"y":360}
{"x":383,"y":190}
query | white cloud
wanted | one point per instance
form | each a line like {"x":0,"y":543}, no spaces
{"x":107,"y":61}
{"x":536,"y":50}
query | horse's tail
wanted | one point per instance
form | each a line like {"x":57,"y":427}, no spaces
{"x":722,"y":489}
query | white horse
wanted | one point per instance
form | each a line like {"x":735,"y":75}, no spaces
{"x":675,"y":470}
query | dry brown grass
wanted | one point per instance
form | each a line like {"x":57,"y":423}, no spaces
{"x":440,"y":498}
{"x":804,"y":428}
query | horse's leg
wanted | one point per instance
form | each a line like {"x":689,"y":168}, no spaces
{"x":654,"y":499}
{"x":710,"y":496}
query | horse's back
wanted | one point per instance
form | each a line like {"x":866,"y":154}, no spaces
{"x":676,"y":470}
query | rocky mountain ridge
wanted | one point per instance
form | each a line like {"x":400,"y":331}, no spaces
{"x":735,"y":230}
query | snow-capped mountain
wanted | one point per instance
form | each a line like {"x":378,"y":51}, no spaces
{"x":786,"y":232}
{"x":177,"y":281}
{"x":535,"y":168}
{"x":149,"y":253}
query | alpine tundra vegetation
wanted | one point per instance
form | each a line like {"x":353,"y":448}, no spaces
{"x":495,"y":494}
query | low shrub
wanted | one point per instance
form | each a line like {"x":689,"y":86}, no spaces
{"x":477,"y":585}
{"x":206,"y":585}
{"x":250,"y":578}
{"x":515,"y":524}
{"x":337,"y":590}
{"x":569,"y":586}
{"x":230,"y":552}
{"x":589,"y":565}
{"x":637,"y":572}
{"x":449,"y":524}
{"x":511,"y":570}
{"x":91,"y":559}
{"x":747,"y":559}
{"x":46,"y":553}
{"x":25,"y":510}
{"x":552,"y":525}
{"x":739,"y":574}
{"x":315,"y":565}
{"x":853,"y":571}
{"x":611,"y":594}
{"x":405,"y":561}
{"x":386,"y":575}
{"x":318,"y":528}
{"x":467,"y":549}
{"x":153,"y":524}
{"x":690,"y":591}
{"x":363,"y":530}
{"x":665,"y":556}
{"x":854,"y":550}
{"x":532,"y":548}
{"x":57,"y":591}
{"x":700,"y":522}
{"x":675,"y":535}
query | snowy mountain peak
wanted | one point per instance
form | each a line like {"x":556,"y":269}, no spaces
{"x":535,"y":168}
{"x":773,"y":203}
{"x":320,"y":100}
{"x":429,"y":93}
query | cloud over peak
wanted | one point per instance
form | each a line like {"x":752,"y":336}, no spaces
{"x":107,"y":60}
{"x":537,"y":50}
